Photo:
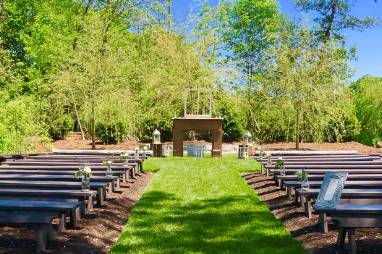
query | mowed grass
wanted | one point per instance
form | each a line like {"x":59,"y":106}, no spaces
{"x":203,"y":206}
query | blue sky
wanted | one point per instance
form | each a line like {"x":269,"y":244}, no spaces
{"x":368,"y":43}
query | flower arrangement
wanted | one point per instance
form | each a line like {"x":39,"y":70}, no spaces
{"x":261,"y":153}
{"x":85,"y":172}
{"x":280,"y":163}
{"x":124,"y":156}
{"x":302,"y":176}
{"x":268,"y":156}
{"x":108,"y":163}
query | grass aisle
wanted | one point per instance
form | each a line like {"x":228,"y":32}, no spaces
{"x":203,"y":206}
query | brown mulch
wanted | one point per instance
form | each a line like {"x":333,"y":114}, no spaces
{"x":306,"y":231}
{"x":97,"y":231}
{"x":344,"y":146}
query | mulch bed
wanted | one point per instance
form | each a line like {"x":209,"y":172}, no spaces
{"x":96,"y":233}
{"x":369,"y":241}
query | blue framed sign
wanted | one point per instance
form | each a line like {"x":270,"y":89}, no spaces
{"x":331,"y":190}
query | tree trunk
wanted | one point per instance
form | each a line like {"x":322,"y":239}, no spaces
{"x":93,"y":127}
{"x":328,"y":31}
{"x":297,"y":130}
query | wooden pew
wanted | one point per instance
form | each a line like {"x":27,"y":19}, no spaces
{"x":112,"y":180}
{"x":37,"y":213}
{"x":350,"y":217}
{"x":316,"y":177}
{"x":100,"y":187}
{"x":85,"y":198}
{"x":290,"y":185}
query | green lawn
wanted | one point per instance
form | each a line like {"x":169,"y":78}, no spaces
{"x":203,"y":206}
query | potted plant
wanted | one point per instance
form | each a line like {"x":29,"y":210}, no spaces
{"x":302,"y":176}
{"x":85,"y":172}
{"x":280,"y":165}
{"x":109,"y":171}
{"x":124,"y":156}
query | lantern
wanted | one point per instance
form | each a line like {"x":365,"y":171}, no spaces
{"x":247,"y":138}
{"x":156,"y":137}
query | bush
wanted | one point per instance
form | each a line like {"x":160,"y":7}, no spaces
{"x":111,"y":132}
{"x":61,"y":127}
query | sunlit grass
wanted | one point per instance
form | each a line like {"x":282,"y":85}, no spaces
{"x":203,"y":206}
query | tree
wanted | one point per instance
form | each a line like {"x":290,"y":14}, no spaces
{"x":247,"y":31}
{"x":369,"y":108}
{"x":333,"y":17}
{"x":310,"y":80}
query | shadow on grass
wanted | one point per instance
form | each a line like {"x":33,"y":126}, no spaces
{"x":163,"y":223}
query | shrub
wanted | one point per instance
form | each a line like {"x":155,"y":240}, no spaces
{"x":61,"y":127}
{"x":111,"y":132}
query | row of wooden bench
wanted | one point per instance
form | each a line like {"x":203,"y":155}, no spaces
{"x":35,"y":189}
{"x":362,"y":191}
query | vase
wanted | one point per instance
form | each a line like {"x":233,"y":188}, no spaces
{"x":109,"y":172}
{"x":85,"y":183}
{"x":282,"y":170}
{"x":305,"y":184}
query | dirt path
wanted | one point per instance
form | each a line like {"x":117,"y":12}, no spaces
{"x":96,"y":233}
{"x":306,"y":230}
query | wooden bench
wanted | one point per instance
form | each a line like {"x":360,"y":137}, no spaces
{"x":113,"y":181}
{"x":350,"y":217}
{"x":127,"y":169}
{"x":37,"y":213}
{"x":290,"y":185}
{"x":86,"y":198}
{"x":307,"y":196}
{"x":280,"y":179}
{"x":100,"y":187}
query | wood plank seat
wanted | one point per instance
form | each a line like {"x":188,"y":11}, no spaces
{"x":315,"y":177}
{"x":353,"y":216}
{"x":100,"y":187}
{"x":130,"y":161}
{"x":119,"y":174}
{"x":308,"y":196}
{"x":136,"y":165}
{"x":308,"y":159}
{"x":85,"y":197}
{"x":38,"y":213}
{"x":127,"y":169}
{"x":291,"y":185}
{"x":112,"y":180}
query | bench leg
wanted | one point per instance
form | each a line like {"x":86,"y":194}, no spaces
{"x":352,"y":243}
{"x":302,"y":200}
{"x":324,"y":223}
{"x":74,"y":217}
{"x":100,"y":195}
{"x":296,"y":198}
{"x":308,"y":208}
{"x":289,"y":192}
{"x":89,"y":205}
{"x":267,"y":171}
{"x":42,"y":237}
{"x":340,"y":244}
{"x":62,"y":223}
{"x":117,"y":184}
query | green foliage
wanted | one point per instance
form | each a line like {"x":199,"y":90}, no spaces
{"x":308,"y":83}
{"x":230,"y":109}
{"x":369,"y":109}
{"x":61,"y":127}
{"x":111,"y":132}
{"x":334,"y":16}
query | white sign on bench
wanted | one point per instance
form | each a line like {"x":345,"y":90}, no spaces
{"x":331,"y":190}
